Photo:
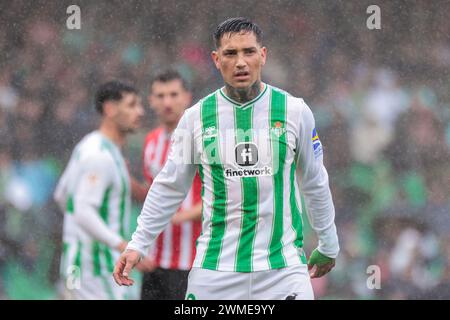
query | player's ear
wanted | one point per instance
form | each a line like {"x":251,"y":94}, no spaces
{"x":109,"y":109}
{"x":215,"y":58}
{"x":263,"y":55}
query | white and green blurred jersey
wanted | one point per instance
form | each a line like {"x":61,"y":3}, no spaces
{"x":95,"y":177}
{"x":251,"y":158}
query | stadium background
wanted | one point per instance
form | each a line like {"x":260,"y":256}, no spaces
{"x":381,"y":100}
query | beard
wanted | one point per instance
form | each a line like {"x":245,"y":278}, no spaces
{"x":126,"y":129}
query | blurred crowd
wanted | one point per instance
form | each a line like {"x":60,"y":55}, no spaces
{"x":381,"y":99}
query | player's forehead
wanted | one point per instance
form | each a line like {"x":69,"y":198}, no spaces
{"x":174,"y":85}
{"x":238,"y":40}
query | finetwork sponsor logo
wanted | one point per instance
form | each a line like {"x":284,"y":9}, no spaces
{"x":264,"y":171}
{"x":246,"y":154}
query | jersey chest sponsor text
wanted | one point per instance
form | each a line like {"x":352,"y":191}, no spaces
{"x":256,"y":154}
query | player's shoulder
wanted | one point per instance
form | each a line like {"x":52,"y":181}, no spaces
{"x":293,"y":103}
{"x":93,"y":148}
{"x":190,"y":112}
{"x":212,"y":97}
{"x":196,"y":107}
{"x":193,"y":113}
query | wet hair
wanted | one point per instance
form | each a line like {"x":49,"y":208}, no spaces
{"x":167,"y":76}
{"x":111,"y":91}
{"x":236,"y":25}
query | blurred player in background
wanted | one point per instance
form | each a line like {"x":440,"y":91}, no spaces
{"x":174,"y":251}
{"x":94,"y":192}
{"x":253,"y":144}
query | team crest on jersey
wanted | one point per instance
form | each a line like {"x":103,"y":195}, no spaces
{"x":317,"y":146}
{"x":278,"y":129}
{"x":92,"y":179}
{"x":209,"y":132}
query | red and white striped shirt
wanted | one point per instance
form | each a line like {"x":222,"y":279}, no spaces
{"x":175,"y":246}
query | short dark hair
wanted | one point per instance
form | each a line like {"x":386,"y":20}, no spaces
{"x":237,"y":25}
{"x":167,"y":76}
{"x":111,"y":90}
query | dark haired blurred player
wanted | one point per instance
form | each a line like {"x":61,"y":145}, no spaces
{"x":94,"y":192}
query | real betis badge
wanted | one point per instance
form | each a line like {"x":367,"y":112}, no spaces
{"x":278,"y":129}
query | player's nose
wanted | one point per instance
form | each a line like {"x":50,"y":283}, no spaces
{"x":167,"y":102}
{"x":140,"y":111}
{"x":241,"y":63}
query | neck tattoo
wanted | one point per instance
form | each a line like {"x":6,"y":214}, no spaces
{"x":243,"y":95}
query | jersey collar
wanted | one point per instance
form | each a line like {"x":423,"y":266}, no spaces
{"x":243,"y":105}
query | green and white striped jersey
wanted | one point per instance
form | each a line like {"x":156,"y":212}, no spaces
{"x":95,"y":191}
{"x":251,"y":158}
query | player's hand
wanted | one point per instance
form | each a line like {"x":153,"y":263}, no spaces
{"x":178,"y":218}
{"x":192,"y":214}
{"x":322,"y":264}
{"x":147,"y":264}
{"x":127,"y":261}
{"x":122,"y":246}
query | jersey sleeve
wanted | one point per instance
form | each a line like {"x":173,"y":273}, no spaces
{"x":168,"y":190}
{"x":94,"y":182}
{"x":314,"y":184}
{"x":60,"y":193}
{"x":95,"y":178}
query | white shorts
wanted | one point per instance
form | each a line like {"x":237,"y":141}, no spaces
{"x":290,"y":283}
{"x":95,"y":288}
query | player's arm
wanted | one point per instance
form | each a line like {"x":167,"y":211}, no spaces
{"x":89,"y":195}
{"x":318,"y":200}
{"x":139,"y":190}
{"x":60,"y":194}
{"x":168,"y":190}
{"x":192,"y":214}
